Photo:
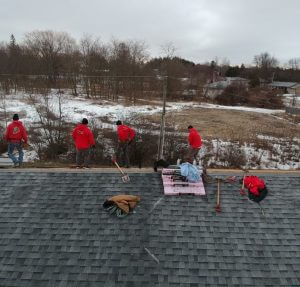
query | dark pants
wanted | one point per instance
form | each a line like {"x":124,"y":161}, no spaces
{"x":191,"y":154}
{"x":262,"y":194}
{"x":11,"y":147}
{"x":122,"y":153}
{"x":83,"y":157}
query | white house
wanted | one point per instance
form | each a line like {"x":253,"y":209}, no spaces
{"x":212,"y":90}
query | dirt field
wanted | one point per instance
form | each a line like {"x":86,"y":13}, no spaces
{"x":231,"y":124}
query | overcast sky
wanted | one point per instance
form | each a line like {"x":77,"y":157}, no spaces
{"x":199,"y":29}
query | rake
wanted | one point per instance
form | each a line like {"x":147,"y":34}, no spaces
{"x":125,"y":178}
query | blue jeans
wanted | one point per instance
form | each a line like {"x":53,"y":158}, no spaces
{"x":11,"y":148}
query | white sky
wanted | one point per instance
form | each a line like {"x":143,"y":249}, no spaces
{"x":199,"y":29}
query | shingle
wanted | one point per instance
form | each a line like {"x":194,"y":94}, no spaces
{"x":54,"y":232}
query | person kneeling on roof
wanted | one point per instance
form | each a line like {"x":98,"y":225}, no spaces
{"x":257,"y":189}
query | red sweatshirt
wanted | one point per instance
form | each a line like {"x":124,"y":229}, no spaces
{"x":16,"y":132}
{"x":83,"y":137}
{"x":125,"y":133}
{"x":194,"y":138}
{"x":254,"y":184}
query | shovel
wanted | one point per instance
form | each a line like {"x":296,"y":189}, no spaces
{"x":125,"y":177}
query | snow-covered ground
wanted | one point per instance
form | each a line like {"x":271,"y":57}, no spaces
{"x":238,"y":108}
{"x":291,"y":100}
{"x":255,"y":158}
{"x":75,"y":108}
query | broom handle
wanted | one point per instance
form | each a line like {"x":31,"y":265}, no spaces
{"x":243,"y":186}
{"x":218,"y":194}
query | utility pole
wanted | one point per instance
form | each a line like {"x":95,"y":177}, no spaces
{"x":162,"y":122}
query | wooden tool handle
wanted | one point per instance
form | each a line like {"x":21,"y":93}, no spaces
{"x":118,"y":167}
{"x":243,"y":185}
{"x":218,"y":194}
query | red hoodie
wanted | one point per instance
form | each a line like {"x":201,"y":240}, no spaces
{"x":83,"y":137}
{"x":125,"y":133}
{"x":254,"y":184}
{"x":16,"y":132}
{"x":194,"y":138}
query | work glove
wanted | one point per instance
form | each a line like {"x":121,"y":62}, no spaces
{"x":25,"y":145}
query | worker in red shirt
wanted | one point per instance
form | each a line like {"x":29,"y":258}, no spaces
{"x":16,"y":136}
{"x":84,"y":140}
{"x":257,"y":189}
{"x":195,"y":144}
{"x":125,"y":138}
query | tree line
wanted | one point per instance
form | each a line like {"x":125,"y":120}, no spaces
{"x":55,"y":54}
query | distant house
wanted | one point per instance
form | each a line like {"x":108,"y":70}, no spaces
{"x":212,"y":90}
{"x":291,"y":95}
{"x":284,"y":87}
{"x":294,"y":89}
{"x":237,"y":81}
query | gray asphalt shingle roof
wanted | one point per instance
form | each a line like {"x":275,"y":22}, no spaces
{"x":54,"y":232}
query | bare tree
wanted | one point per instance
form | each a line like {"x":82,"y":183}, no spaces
{"x":126,"y":57}
{"x":49,"y":46}
{"x":294,"y":63}
{"x":168,"y":50}
{"x":266,"y":64}
{"x":51,"y":139}
{"x":265,"y":61}
{"x":94,"y":55}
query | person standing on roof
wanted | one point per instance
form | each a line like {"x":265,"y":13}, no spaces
{"x":84,"y":140}
{"x":16,"y":136}
{"x":257,"y":189}
{"x":125,"y":138}
{"x":195,"y":144}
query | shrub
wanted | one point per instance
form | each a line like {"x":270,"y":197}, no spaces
{"x":262,"y":98}
{"x":233,"y":95}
